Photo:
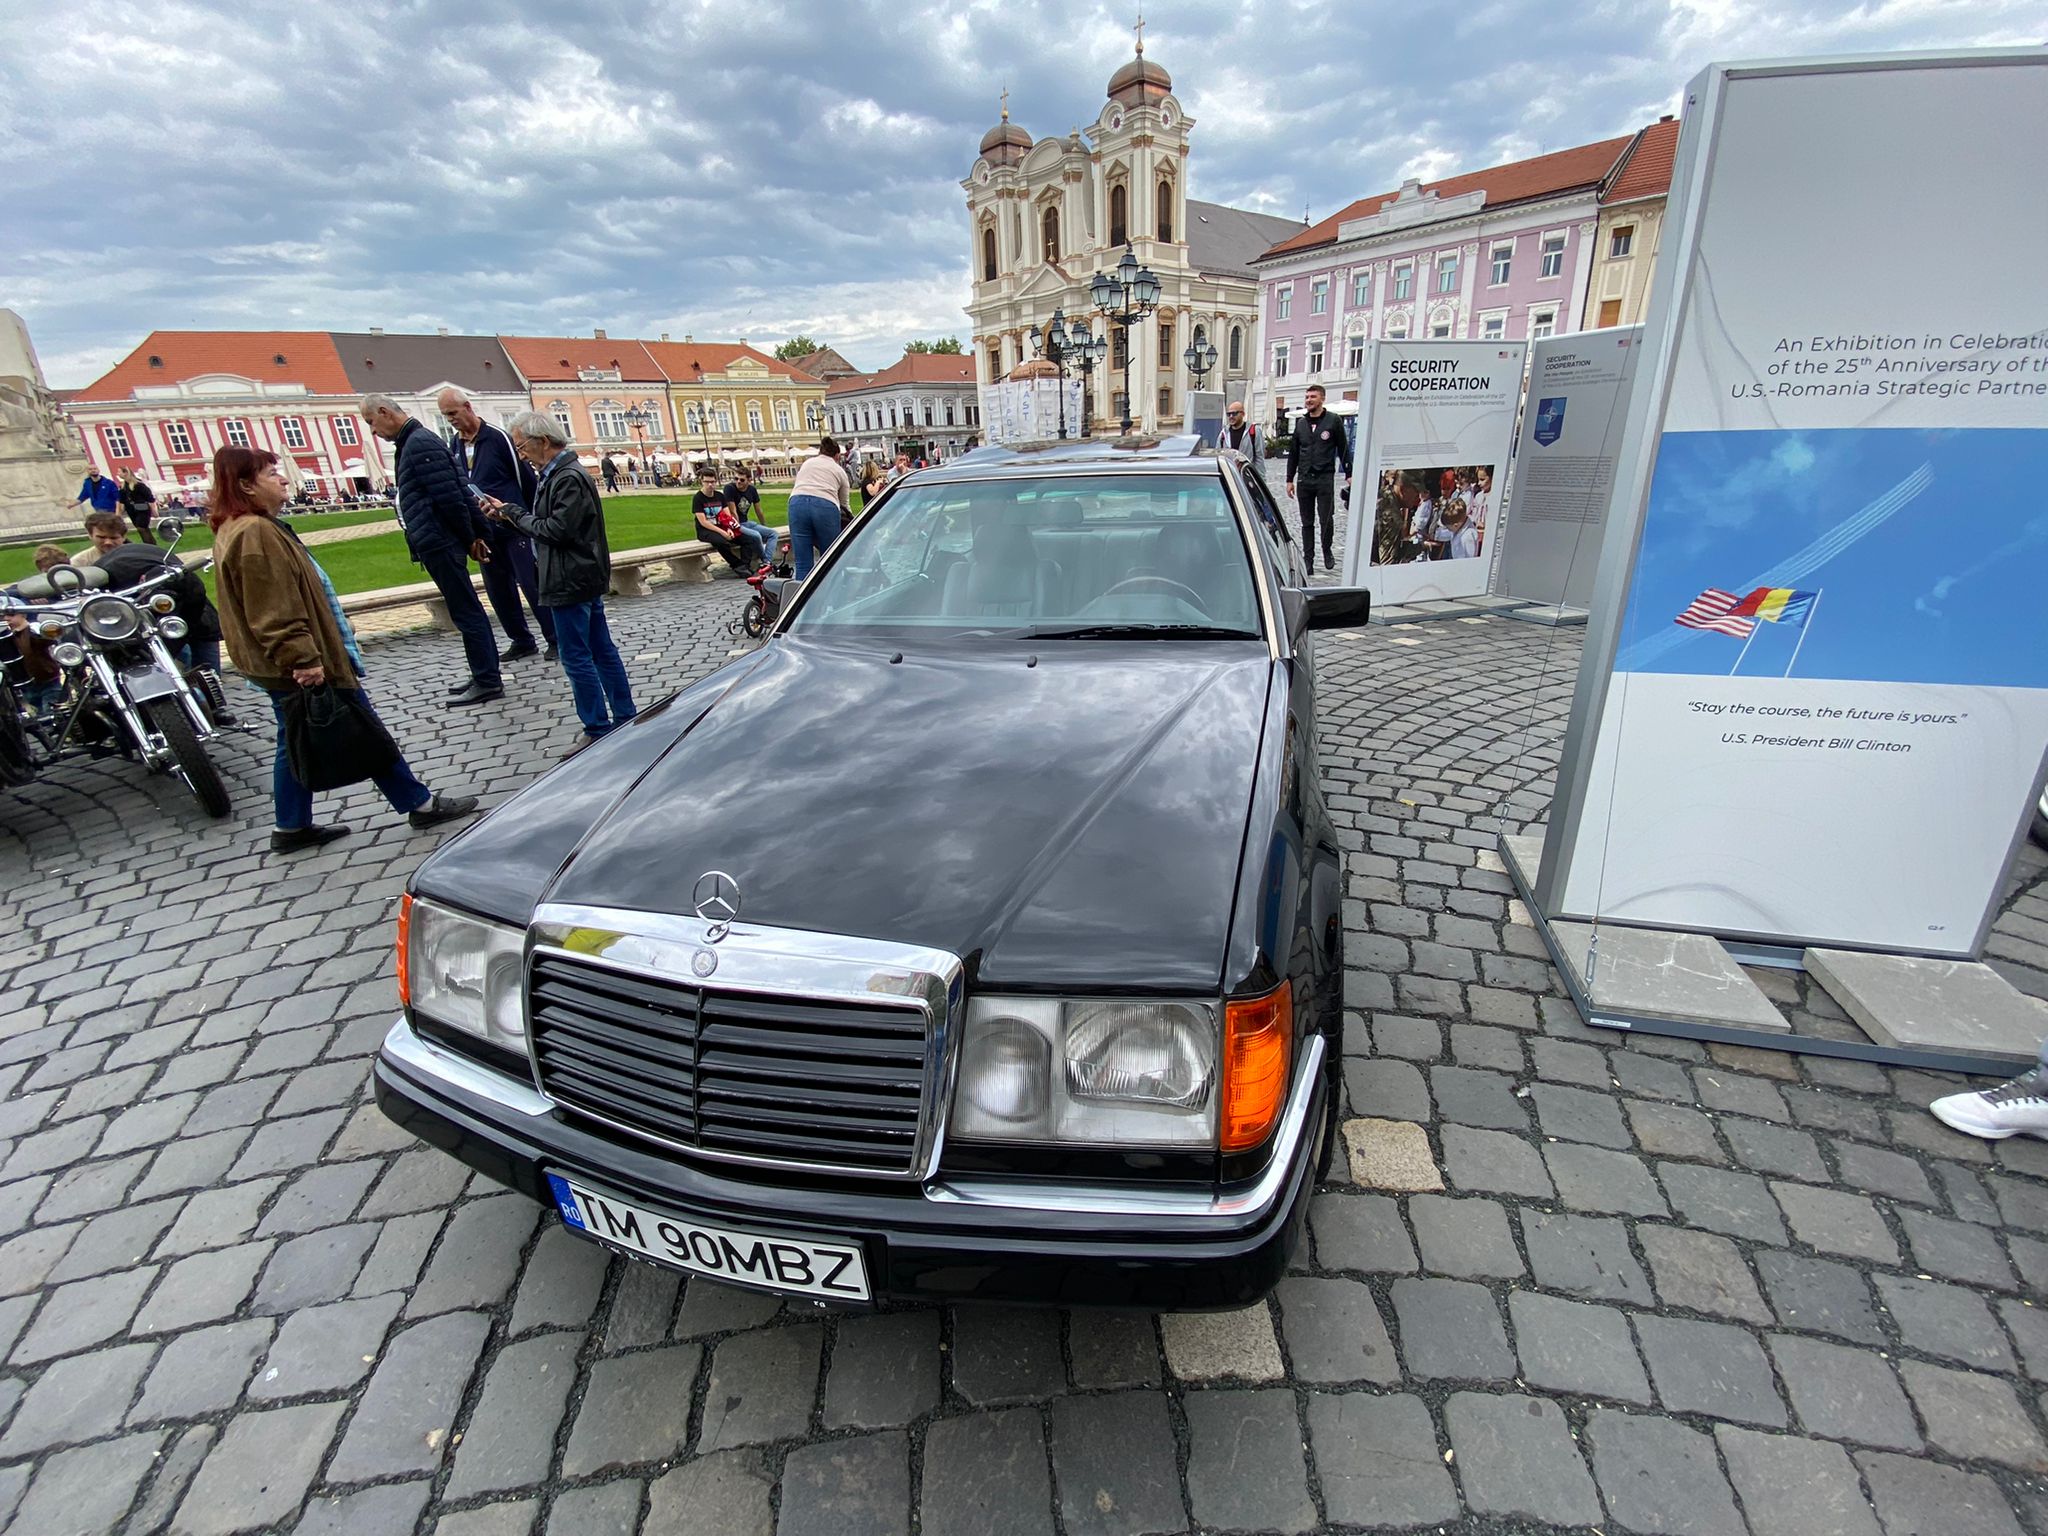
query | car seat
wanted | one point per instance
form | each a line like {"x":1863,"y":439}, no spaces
{"x":1002,"y":576}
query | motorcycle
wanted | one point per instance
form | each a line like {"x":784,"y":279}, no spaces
{"x":772,"y":583}
{"x":120,"y":691}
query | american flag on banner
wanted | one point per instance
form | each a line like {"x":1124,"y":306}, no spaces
{"x":1710,"y":610}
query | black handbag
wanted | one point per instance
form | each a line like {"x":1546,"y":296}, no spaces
{"x":332,"y":738}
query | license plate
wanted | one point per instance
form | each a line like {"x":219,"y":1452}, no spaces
{"x":798,"y":1266}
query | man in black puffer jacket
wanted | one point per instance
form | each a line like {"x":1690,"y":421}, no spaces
{"x":444,"y":530}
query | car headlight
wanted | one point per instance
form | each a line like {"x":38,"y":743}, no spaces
{"x":1088,"y":1070}
{"x":462,"y":971}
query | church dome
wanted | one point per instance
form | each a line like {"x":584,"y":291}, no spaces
{"x":1140,"y":82}
{"x":1005,"y":143}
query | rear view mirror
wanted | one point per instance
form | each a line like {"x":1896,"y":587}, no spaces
{"x":1336,"y":607}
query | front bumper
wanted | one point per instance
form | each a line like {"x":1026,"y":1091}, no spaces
{"x":1015,"y":1240}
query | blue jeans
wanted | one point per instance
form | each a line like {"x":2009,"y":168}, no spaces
{"x":597,"y":677}
{"x":509,"y":573}
{"x":294,"y":802}
{"x":813,"y":525}
{"x":198,"y":653}
{"x":769,"y":538}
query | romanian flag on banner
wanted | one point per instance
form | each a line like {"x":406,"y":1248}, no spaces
{"x":1775,"y":605}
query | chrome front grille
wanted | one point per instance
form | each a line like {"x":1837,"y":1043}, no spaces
{"x":813,"y":1082}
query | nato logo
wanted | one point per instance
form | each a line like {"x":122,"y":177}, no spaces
{"x":1549,"y":421}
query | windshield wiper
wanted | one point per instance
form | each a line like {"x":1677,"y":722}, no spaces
{"x":1138,"y":631}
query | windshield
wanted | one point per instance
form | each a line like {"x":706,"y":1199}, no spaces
{"x":1076,"y":557}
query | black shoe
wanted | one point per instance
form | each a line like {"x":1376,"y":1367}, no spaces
{"x":464,"y":686}
{"x":477,"y":693}
{"x":1329,"y":564}
{"x":551,"y":654}
{"x":520,"y":652}
{"x":294,"y":839}
{"x":442,"y":808}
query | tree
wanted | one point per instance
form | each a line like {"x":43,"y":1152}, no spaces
{"x":795,"y":347}
{"x":949,"y":345}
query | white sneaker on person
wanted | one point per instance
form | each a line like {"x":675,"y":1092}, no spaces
{"x":2019,"y":1107}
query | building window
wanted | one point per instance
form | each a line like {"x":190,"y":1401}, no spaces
{"x":117,"y":441}
{"x":1447,"y":273}
{"x":988,"y":254}
{"x":1119,"y":216}
{"x":1315,"y":354}
{"x":1280,"y":351}
{"x":754,"y":417}
{"x":951,"y":405}
{"x":1610,"y":312}
{"x":176,"y":435}
{"x":1319,"y":296}
{"x":1503,"y":259}
{"x":1283,"y":303}
{"x":1120,"y":349}
{"x":725,"y":420}
{"x":782,"y":416}
{"x":1621,"y":241}
{"x":1166,"y":343}
{"x":1542,"y":322}
{"x":1441,"y":331}
{"x":1236,"y":348}
{"x":693,"y":418}
{"x":1166,"y":399}
{"x":1553,"y":256}
{"x":1361,"y":288}
{"x":345,"y":431}
{"x":1354,"y":354}
{"x":1165,"y":208}
{"x":1404,"y":281}
{"x":236,"y":431}
{"x":294,"y":431}
{"x":928,"y":414}
{"x":1397,"y":328}
{"x":1050,"y":226}
{"x":1493,"y":327}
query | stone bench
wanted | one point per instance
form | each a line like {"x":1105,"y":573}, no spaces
{"x":688,"y":560}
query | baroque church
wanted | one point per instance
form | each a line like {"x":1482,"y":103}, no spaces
{"x":1047,"y":215}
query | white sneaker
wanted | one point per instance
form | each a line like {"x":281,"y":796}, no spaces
{"x":2019,"y":1107}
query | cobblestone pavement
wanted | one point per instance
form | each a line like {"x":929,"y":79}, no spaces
{"x":1572,"y":1282}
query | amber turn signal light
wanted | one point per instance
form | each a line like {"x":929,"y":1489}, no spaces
{"x":1258,"y":1033}
{"x":405,"y":950}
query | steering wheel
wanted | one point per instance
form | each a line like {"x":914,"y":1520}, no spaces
{"x":1194,"y":598}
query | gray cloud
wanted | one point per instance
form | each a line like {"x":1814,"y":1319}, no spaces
{"x":736,"y":171}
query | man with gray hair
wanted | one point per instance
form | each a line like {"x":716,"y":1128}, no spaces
{"x":489,"y":467}
{"x":443,"y":529}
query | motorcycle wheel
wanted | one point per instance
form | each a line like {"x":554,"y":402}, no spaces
{"x":194,"y":766}
{"x":755,"y":620}
{"x":17,"y":758}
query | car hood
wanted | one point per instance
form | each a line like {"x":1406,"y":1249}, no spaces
{"x":1073,"y":818}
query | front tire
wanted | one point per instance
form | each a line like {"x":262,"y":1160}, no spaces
{"x":168,"y":720}
{"x":755,"y":620}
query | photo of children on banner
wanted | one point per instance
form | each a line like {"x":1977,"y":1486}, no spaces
{"x":1434,"y":513}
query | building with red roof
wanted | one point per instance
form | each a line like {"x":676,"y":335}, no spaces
{"x":1632,"y":227}
{"x":736,"y":405}
{"x":925,"y":404}
{"x":1504,"y":253}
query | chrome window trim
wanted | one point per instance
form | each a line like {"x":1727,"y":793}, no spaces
{"x":1115,"y":1200}
{"x":772,"y":962}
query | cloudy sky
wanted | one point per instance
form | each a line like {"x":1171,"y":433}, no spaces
{"x":741,"y":170}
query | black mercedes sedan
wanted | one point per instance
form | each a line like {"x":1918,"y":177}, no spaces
{"x":1035,"y":991}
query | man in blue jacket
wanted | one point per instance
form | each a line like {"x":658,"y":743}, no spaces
{"x":484,"y":456}
{"x":444,"y":530}
{"x":104,"y":494}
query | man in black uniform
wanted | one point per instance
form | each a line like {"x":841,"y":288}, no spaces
{"x":1316,"y":450}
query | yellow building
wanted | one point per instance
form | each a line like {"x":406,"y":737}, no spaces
{"x":733,"y":405}
{"x":1630,"y":229}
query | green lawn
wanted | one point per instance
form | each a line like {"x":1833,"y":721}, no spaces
{"x":18,"y":560}
{"x":381,"y":560}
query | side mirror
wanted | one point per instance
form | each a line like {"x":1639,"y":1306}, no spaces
{"x":1325,"y":608}
{"x":172,"y":527}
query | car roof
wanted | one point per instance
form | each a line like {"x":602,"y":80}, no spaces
{"x":1183,"y":453}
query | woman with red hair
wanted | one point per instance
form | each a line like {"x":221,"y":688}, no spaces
{"x":284,"y":633}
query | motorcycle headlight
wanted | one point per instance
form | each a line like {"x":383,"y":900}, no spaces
{"x":1089,"y":1071}
{"x":163,"y":602}
{"x":462,"y":971}
{"x":68,"y":653}
{"x":172,"y":628}
{"x":110,"y":619}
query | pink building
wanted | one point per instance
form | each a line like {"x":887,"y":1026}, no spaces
{"x":1504,"y":252}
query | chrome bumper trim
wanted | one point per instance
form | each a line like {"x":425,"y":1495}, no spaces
{"x":421,"y":1056}
{"x":992,"y":1194}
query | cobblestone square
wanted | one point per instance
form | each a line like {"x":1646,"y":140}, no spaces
{"x":1564,"y":1279}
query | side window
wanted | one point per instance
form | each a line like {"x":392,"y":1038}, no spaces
{"x":1272,"y":525}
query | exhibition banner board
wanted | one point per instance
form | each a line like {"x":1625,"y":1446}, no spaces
{"x":1031,"y":410}
{"x":1430,"y":444}
{"x":1565,"y":455}
{"x":1813,"y":706}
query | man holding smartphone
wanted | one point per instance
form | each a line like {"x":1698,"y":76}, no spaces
{"x":484,"y":455}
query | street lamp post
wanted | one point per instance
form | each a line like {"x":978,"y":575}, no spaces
{"x":1123,"y":298}
{"x":640,"y":420}
{"x":1086,"y":351}
{"x":1059,"y":347}
{"x":703,"y":412}
{"x":1200,"y":358}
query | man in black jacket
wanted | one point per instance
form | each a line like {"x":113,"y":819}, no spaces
{"x":444,"y":530}
{"x":484,"y":457}
{"x":1316,"y":450}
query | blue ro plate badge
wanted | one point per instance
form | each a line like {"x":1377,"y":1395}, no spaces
{"x":778,"y":1262}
